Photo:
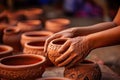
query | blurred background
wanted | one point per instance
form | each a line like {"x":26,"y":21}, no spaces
{"x":79,"y":12}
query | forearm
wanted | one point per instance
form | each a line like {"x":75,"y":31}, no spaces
{"x":105,"y":38}
{"x":80,"y":31}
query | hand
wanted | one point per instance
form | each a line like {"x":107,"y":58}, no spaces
{"x":68,"y":33}
{"x":77,"y":49}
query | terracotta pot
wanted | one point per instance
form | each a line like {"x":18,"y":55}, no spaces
{"x":22,"y":67}
{"x":117,"y":17}
{"x":53,"y":47}
{"x":33,"y":13}
{"x":30,"y":25}
{"x":56,"y":25}
{"x":12,"y":37}
{"x":36,"y":47}
{"x":2,"y":27}
{"x":5,"y":51}
{"x":54,"y":78}
{"x":35,"y":35}
{"x":85,"y":70}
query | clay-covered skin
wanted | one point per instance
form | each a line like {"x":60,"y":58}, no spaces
{"x":74,"y":50}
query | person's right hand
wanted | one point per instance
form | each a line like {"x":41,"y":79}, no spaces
{"x":68,"y":33}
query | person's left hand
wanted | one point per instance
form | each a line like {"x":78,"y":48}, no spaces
{"x":77,"y":49}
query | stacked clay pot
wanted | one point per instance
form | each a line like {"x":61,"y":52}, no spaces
{"x":5,"y":50}
{"x":12,"y":37}
{"x":85,"y":70}
{"x":30,"y":25}
{"x":35,"y":36}
{"x":22,"y":67}
{"x":56,"y":25}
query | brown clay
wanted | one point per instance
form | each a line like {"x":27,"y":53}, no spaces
{"x":33,"y":13}
{"x":117,"y":17}
{"x":22,"y":67}
{"x":85,"y":70}
{"x":56,"y":25}
{"x":34,"y":47}
{"x":53,"y":47}
{"x":54,"y":78}
{"x":30,"y":25}
{"x":5,"y":50}
{"x":12,"y":37}
{"x":35,"y":36}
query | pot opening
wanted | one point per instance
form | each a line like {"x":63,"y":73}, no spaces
{"x":86,"y":62}
{"x":20,"y":60}
{"x":2,"y":49}
{"x":59,"y":41}
{"x":37,"y":35}
{"x":37,"y":43}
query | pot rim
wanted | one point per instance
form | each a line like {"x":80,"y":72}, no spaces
{"x":22,"y":66}
{"x":26,"y":34}
{"x":36,"y":47}
{"x":15,"y":30}
{"x":63,"y":78}
{"x":58,"y":39}
{"x":9,"y":49}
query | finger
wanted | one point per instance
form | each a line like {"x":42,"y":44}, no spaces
{"x":48,"y":41}
{"x":68,"y":60}
{"x":64,"y":47}
{"x":65,"y":55}
{"x":67,"y":36}
{"x":75,"y":61}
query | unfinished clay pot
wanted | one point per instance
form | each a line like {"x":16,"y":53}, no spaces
{"x":5,"y":50}
{"x":12,"y":37}
{"x":56,"y":25}
{"x":35,"y":36}
{"x":53,"y":47}
{"x":34,"y":47}
{"x":30,"y":25}
{"x":22,"y":67}
{"x":54,"y":78}
{"x":117,"y":17}
{"x":85,"y":70}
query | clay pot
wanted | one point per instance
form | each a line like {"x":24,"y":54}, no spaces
{"x":56,"y":25}
{"x":53,"y":47}
{"x":35,"y":36}
{"x":117,"y":17}
{"x":2,"y":27}
{"x":12,"y":37}
{"x":34,"y":47}
{"x":22,"y":67}
{"x":30,"y":25}
{"x":85,"y":70}
{"x":33,"y":13}
{"x":54,"y":78}
{"x":5,"y":51}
